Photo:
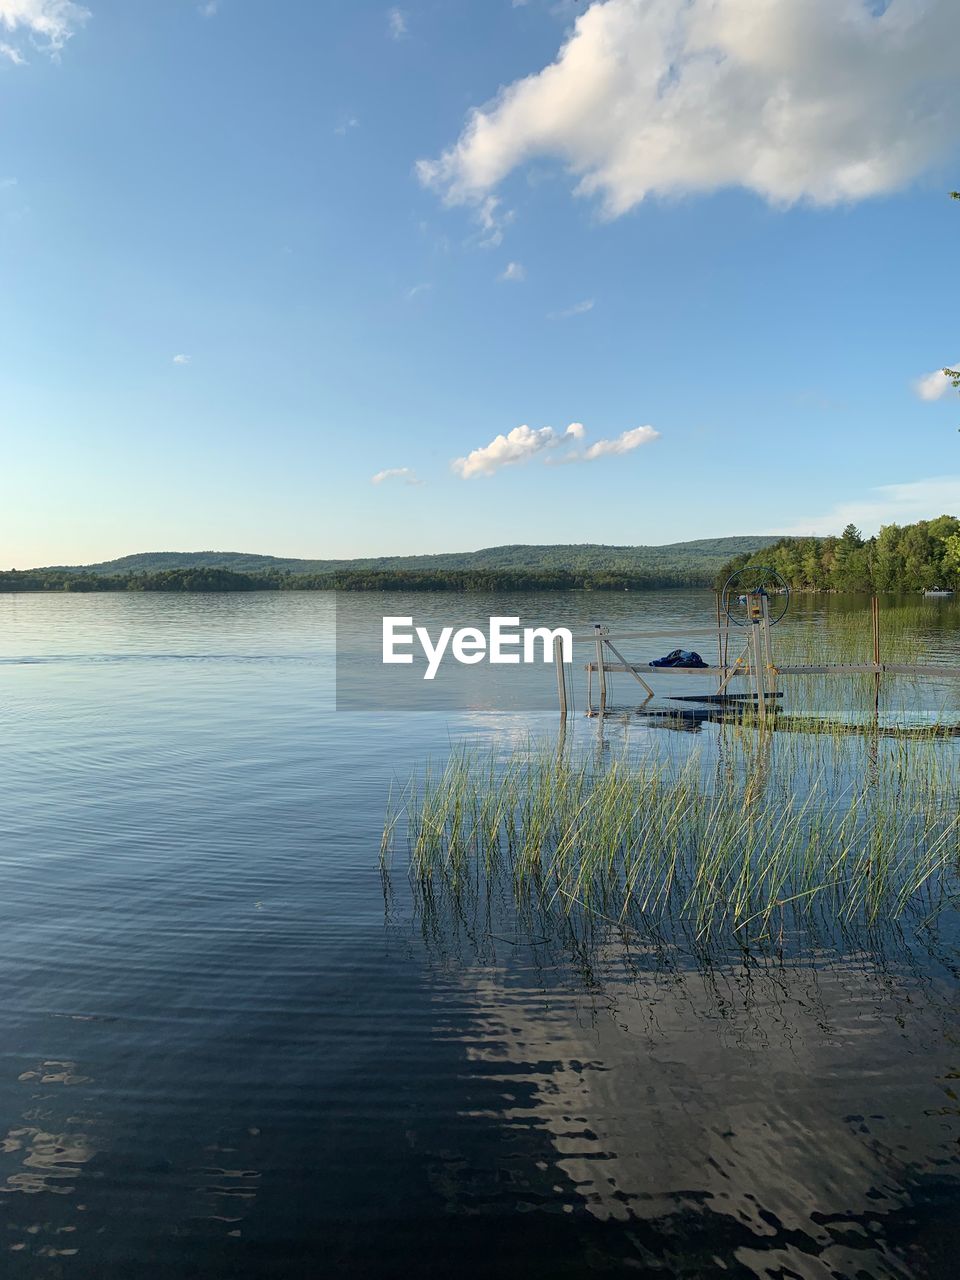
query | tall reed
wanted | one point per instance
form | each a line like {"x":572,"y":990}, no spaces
{"x":853,"y":830}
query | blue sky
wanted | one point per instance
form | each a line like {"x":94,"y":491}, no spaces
{"x":724,"y":225}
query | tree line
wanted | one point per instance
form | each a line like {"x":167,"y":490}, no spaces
{"x":455,"y":580}
{"x":911,"y":557}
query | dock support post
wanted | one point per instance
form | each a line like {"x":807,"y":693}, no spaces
{"x":561,"y":675}
{"x":758,"y":681}
{"x":770,"y":682}
{"x":601,"y":672}
{"x":875,"y":618}
{"x":755,"y":603}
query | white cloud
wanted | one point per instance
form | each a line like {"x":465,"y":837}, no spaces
{"x":417,"y":290}
{"x":578,"y":309}
{"x":346,"y":124}
{"x":181,"y":359}
{"x":518,"y":445}
{"x":524,"y":443}
{"x":817,"y":100}
{"x":934,"y":385}
{"x":406,"y":474}
{"x":397,"y":23}
{"x":492,"y":220}
{"x":626,"y":442}
{"x":49,"y":24}
{"x":886,"y":504}
{"x":514,"y":271}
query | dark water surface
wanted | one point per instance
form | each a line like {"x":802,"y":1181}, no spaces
{"x":224,"y":1052}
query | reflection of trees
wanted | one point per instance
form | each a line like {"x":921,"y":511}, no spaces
{"x":749,"y":1111}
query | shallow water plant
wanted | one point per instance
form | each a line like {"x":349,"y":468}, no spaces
{"x":852,"y":831}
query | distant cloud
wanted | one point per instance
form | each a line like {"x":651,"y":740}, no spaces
{"x":823,"y":101}
{"x":181,"y":359}
{"x":209,"y":8}
{"x":417,"y":289}
{"x":626,"y":442}
{"x":48,"y":24}
{"x":934,"y":385}
{"x":346,"y":124}
{"x":406,"y":474}
{"x":578,"y":309}
{"x":514,"y":271}
{"x":525,"y":443}
{"x":885,"y":504}
{"x":518,"y":445}
{"x":397,"y":23}
{"x":492,"y":219}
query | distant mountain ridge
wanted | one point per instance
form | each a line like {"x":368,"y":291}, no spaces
{"x":699,"y":554}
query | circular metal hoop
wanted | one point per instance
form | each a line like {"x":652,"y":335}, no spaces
{"x":744,"y":591}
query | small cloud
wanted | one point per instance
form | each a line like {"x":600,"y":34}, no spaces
{"x":933,"y":385}
{"x":346,"y":124}
{"x":519,"y":445}
{"x":514,"y":271}
{"x":492,"y":219}
{"x":525,"y":443}
{"x":209,"y":8}
{"x":406,"y":474}
{"x":181,"y":359}
{"x":578,"y":309}
{"x":417,"y":290}
{"x":626,"y":442}
{"x":48,"y":23}
{"x":397,"y":23}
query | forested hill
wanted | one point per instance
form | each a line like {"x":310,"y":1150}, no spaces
{"x":900,"y":558}
{"x":511,"y":568}
{"x":701,"y":557}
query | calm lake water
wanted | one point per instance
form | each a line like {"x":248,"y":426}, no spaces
{"x":227,"y":1050}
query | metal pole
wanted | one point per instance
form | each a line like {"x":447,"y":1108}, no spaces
{"x":758,"y":672}
{"x":561,"y":675}
{"x":600,"y":668}
{"x":636,"y":675}
{"x":875,"y":618}
{"x":755,"y":606}
{"x":770,"y":682}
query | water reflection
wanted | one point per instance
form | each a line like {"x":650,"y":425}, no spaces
{"x":782,"y":1106}
{"x":783,"y":1113}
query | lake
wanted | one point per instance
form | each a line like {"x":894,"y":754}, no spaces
{"x":230,"y":1048}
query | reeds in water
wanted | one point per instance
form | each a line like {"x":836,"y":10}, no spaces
{"x":751,"y":841}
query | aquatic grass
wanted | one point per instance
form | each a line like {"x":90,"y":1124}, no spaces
{"x":857,"y":830}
